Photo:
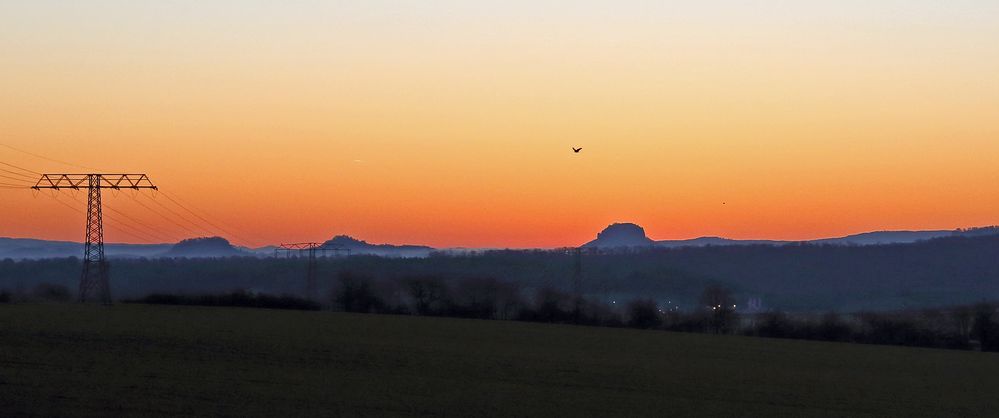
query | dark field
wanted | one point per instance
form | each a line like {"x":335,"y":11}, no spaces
{"x":73,"y":360}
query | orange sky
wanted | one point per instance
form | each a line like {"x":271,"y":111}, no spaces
{"x":449,"y":123}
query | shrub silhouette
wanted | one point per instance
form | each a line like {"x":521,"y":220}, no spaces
{"x":52,"y":292}
{"x":239,"y":298}
{"x":355,"y":293}
{"x":643,"y":313}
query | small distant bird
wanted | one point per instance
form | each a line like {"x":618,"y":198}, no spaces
{"x":576,"y":150}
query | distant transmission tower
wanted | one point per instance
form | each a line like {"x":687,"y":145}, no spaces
{"x":577,"y":272}
{"x":577,"y":283}
{"x":311,"y":248}
{"x":95,"y":266}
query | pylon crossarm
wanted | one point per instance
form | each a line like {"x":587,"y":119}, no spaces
{"x":300,"y":246}
{"x":311,"y":247}
{"x":104,"y":181}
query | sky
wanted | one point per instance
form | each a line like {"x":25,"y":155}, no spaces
{"x":449,"y":123}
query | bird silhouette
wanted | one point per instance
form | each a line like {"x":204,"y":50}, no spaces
{"x":577,"y":150}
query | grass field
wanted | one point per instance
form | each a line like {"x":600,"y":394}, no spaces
{"x":73,"y":360}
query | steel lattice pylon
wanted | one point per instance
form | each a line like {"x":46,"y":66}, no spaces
{"x":96,"y":270}
{"x":95,"y":267}
{"x":577,"y":283}
{"x":312,"y":248}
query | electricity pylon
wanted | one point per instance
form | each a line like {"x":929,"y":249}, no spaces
{"x":577,"y":283}
{"x":95,"y":266}
{"x":311,"y":272}
{"x":577,"y":272}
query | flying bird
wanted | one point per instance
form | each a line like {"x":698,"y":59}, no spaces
{"x":577,"y":150}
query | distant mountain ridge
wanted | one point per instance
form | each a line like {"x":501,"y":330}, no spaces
{"x":629,"y":235}
{"x":18,"y":248}
{"x":888,"y":237}
{"x":203,"y":247}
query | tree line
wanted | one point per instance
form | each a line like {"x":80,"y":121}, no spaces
{"x":961,"y":327}
{"x":797,"y":278}
{"x":716,"y":312}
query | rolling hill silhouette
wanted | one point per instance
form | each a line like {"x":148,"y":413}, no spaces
{"x":618,"y":235}
{"x":630,"y":235}
{"x":357,"y":246}
{"x":208,"y":247}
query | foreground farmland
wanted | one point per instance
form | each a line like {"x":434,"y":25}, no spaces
{"x":73,"y":360}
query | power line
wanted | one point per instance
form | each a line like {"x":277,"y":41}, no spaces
{"x":182,"y":217}
{"x":49,"y":159}
{"x":155,"y":234}
{"x":151,"y":236}
{"x":173,"y":199}
{"x":20,"y":168}
{"x":74,"y":208}
{"x":29,"y":177}
{"x":175,"y":202}
{"x":195,"y":224}
{"x":15,"y":178}
{"x":162,"y":215}
{"x":218,"y":219}
{"x":152,"y":231}
{"x":119,"y":224}
{"x":212,"y":226}
{"x":80,"y":211}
